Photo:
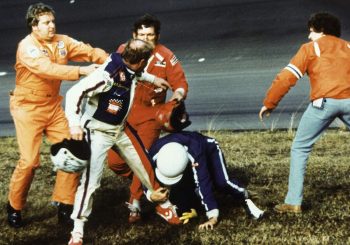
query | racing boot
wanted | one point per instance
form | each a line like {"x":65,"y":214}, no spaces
{"x":63,"y":213}
{"x":14,"y":217}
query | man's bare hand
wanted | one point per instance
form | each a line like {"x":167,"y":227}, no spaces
{"x":86,"y":70}
{"x":209,"y":224}
{"x":161,"y":83}
{"x":160,"y":195}
{"x":76,"y":133}
{"x":264,"y":111}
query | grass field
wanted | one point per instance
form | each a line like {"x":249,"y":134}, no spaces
{"x":260,"y":160}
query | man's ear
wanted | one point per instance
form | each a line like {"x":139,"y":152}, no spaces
{"x":143,"y":62}
{"x":134,"y":35}
{"x":140,"y":66}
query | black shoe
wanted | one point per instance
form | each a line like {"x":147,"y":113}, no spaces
{"x":64,"y":212}
{"x":14,"y":217}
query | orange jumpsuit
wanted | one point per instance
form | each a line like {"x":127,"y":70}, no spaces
{"x":164,"y":64}
{"x":35,"y":105}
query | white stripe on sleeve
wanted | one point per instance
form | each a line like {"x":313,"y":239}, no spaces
{"x":295,"y":70}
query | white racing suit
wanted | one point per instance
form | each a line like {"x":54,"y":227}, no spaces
{"x":109,"y":91}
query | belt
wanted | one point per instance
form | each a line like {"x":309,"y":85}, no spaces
{"x":21,"y":90}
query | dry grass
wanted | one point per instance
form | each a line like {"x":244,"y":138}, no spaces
{"x":260,"y":160}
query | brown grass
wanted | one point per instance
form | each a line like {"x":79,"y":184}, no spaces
{"x":260,"y":160}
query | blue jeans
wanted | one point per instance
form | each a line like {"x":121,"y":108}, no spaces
{"x":312,"y":124}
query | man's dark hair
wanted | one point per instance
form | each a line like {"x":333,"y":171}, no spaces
{"x":36,"y":10}
{"x":326,"y":23}
{"x":147,"y":20}
{"x":136,"y":50}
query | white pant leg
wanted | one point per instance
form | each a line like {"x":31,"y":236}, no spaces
{"x":129,"y":154}
{"x":91,"y":177}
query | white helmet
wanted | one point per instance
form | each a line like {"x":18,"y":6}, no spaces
{"x":171,"y":162}
{"x":70,"y":155}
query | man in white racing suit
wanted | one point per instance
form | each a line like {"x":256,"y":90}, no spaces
{"x":109,"y":92}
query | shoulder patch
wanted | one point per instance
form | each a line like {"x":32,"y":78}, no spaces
{"x":33,"y":51}
{"x":174,"y":60}
{"x":60,"y":44}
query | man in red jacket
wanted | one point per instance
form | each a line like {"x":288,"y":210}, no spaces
{"x":148,"y":99}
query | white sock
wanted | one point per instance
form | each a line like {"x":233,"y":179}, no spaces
{"x":136,"y":204}
{"x":78,"y":226}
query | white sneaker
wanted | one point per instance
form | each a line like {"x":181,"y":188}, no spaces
{"x":76,"y":239}
{"x":253,"y":210}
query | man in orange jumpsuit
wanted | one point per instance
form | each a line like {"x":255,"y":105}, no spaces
{"x":35,"y":104}
{"x":148,"y":98}
{"x":326,"y":60}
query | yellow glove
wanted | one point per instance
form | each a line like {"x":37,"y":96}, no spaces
{"x":186,"y":216}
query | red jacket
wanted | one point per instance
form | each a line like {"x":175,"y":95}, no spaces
{"x":164,"y":64}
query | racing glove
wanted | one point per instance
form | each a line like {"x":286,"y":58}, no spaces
{"x":186,"y":216}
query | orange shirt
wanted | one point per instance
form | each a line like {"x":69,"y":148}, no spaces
{"x":42,"y":66}
{"x":327,"y":63}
